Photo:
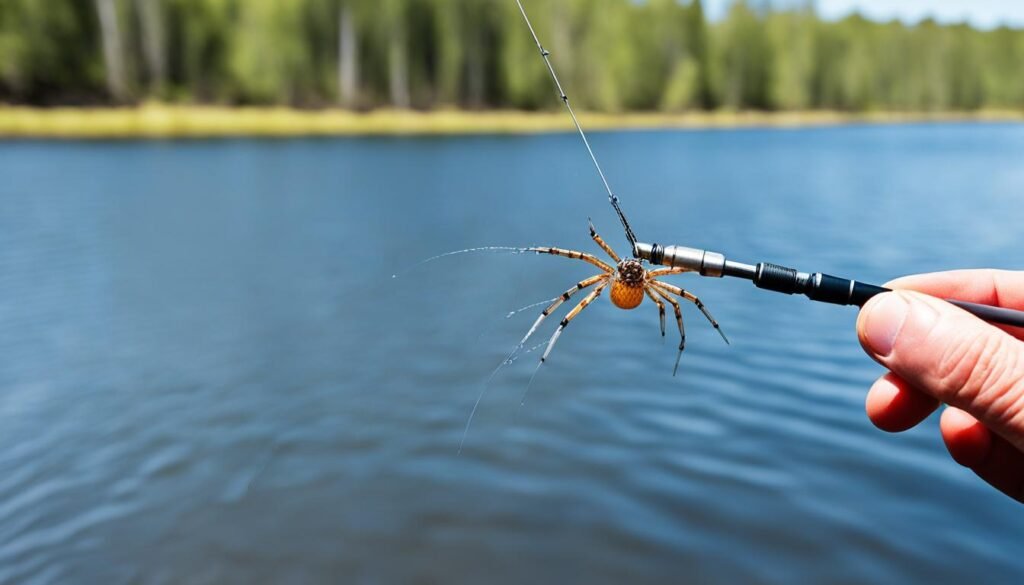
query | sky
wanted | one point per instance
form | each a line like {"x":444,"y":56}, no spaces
{"x":980,"y":13}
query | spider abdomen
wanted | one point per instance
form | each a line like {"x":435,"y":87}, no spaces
{"x":628,"y":286}
{"x":626,"y":295}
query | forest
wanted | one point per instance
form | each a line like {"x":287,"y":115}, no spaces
{"x":614,"y":55}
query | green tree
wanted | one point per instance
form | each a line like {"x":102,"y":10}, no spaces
{"x":1002,"y":53}
{"x":450,"y":55}
{"x":699,"y":45}
{"x":792,"y":35}
{"x":612,"y":55}
{"x":201,"y":34}
{"x":524,"y":82}
{"x":49,"y":51}
{"x":745,"y":59}
{"x":268,"y":58}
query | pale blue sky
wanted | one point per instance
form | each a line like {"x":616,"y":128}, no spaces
{"x":983,"y":13}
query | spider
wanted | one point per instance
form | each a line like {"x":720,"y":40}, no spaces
{"x":630,"y":282}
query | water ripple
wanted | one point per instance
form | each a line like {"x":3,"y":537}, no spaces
{"x":211,"y":377}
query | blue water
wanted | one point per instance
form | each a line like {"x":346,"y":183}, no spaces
{"x":209,"y":375}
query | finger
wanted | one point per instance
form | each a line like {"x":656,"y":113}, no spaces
{"x":1000,"y":288}
{"x":967,"y":440}
{"x":950,"y":355}
{"x":991,"y":457}
{"x":894,"y":406}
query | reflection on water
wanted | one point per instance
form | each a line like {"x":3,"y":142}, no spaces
{"x":210,"y":376}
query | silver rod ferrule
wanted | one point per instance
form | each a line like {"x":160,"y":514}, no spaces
{"x":702,"y":261}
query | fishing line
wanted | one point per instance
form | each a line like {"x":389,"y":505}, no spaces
{"x":511,"y":314}
{"x":507,"y":361}
{"x":612,"y":198}
{"x":499,"y":249}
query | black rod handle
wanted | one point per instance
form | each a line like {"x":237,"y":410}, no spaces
{"x":826,"y":288}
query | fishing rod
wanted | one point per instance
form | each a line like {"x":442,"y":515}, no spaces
{"x":612,"y":198}
{"x":816,"y":286}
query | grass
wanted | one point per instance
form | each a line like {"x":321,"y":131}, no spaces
{"x":166,"y":121}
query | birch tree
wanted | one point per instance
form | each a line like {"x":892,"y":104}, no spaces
{"x":398,"y":57}
{"x":151,"y":19}
{"x":113,"y":49}
{"x":348,"y":55}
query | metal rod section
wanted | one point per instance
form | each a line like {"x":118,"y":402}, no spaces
{"x":739,"y":270}
{"x":612,"y":198}
{"x":817,"y":286}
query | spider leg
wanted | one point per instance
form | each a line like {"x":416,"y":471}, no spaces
{"x":600,"y":242}
{"x":565,"y":296}
{"x":511,"y":357}
{"x":568,"y":319}
{"x":679,"y":321}
{"x":661,"y":307}
{"x":666,"y":271}
{"x":590,"y":258}
{"x":693,"y":299}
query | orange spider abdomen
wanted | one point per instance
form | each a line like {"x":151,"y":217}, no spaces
{"x":627,"y":296}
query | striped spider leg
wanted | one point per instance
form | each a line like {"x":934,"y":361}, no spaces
{"x":602,"y":279}
{"x":666,"y":287}
{"x":661,"y":306}
{"x":679,"y":321}
{"x":629,"y":282}
{"x":586,"y":283}
{"x":608,"y":277}
{"x":568,"y":318}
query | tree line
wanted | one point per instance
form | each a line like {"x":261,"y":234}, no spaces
{"x":613,"y":55}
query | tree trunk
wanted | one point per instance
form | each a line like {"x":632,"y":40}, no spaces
{"x":113,"y":54}
{"x":348,"y":57}
{"x":398,"y":65}
{"x":153,"y":42}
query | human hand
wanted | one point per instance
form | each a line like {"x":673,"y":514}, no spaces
{"x":937,"y":354}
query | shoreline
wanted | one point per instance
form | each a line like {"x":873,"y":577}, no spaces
{"x":157,"y":121}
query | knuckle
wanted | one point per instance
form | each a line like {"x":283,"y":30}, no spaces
{"x":983,"y":373}
{"x":966,"y":365}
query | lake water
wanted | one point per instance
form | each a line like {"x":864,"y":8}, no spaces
{"x":209,"y":375}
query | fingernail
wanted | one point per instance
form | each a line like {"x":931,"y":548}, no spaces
{"x":883,"y":321}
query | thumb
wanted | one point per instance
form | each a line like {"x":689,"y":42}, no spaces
{"x":950,"y":355}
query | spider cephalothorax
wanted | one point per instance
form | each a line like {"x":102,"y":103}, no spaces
{"x":630,"y":282}
{"x":631,"y":272}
